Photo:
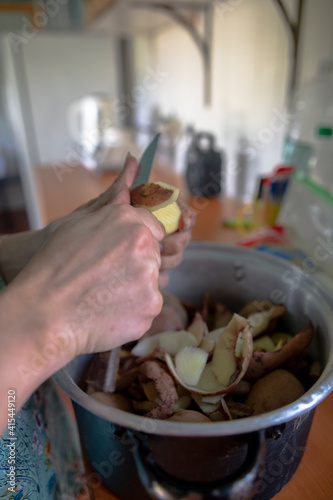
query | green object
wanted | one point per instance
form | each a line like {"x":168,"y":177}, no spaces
{"x":237,"y":223}
{"x":325,"y":131}
{"x":146,"y":162}
{"x":323,"y":193}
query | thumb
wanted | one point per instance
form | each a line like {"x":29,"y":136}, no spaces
{"x":122,"y":195}
{"x":122,"y":185}
{"x":118,"y":192}
{"x":130,"y":171}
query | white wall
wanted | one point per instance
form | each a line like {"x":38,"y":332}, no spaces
{"x":249,"y":77}
{"x":317,"y":37}
{"x":61,"y":68}
{"x":250,"y":71}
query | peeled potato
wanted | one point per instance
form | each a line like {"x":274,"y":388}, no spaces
{"x":169,"y":216}
{"x":160,"y":199}
{"x":278,"y":388}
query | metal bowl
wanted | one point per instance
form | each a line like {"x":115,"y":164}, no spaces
{"x":234,"y":276}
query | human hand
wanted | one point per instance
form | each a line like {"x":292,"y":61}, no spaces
{"x":120,"y":190}
{"x":91,"y":287}
{"x":95,"y":281}
{"x":173,"y":246}
{"x":17,"y":250}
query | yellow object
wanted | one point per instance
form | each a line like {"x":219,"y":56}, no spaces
{"x":169,"y":216}
{"x":190,"y":363}
{"x":264,"y":344}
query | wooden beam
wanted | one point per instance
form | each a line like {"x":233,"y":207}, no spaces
{"x":203,"y":43}
{"x":17,"y":7}
{"x":96,"y":8}
{"x":294,"y":28}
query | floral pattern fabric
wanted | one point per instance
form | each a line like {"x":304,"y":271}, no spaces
{"x":48,"y":463}
{"x":47,"y":454}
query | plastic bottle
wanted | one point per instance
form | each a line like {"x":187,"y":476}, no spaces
{"x":309,"y":144}
{"x":242,"y":160}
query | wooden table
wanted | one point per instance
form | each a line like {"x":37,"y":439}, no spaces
{"x":314,"y":477}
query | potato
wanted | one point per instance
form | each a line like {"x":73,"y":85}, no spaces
{"x":160,"y":199}
{"x":188,"y":416}
{"x":278,"y":388}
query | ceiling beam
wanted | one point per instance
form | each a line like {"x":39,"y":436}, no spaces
{"x":203,"y":42}
{"x":96,"y":8}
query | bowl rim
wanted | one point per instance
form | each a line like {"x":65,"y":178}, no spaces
{"x":299,"y":409}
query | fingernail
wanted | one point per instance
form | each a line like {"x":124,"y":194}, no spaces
{"x":127,"y":157}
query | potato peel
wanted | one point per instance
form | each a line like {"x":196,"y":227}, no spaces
{"x":171,"y":342}
{"x":262,"y":315}
{"x":238,"y":327}
{"x":153,"y":195}
{"x":172,"y":373}
{"x":165,"y":387}
{"x":198,"y":327}
{"x":265,"y":362}
{"x":189,"y":364}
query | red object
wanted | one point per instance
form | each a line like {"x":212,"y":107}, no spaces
{"x":265,"y":236}
{"x":283,"y":169}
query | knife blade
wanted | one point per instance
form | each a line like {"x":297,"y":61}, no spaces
{"x":146,"y":164}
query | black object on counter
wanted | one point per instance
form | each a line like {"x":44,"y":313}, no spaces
{"x":204,"y":165}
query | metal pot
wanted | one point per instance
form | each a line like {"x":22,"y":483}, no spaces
{"x":241,"y":459}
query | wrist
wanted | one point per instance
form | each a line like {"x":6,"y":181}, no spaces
{"x":28,"y":337}
{"x":16,"y":251}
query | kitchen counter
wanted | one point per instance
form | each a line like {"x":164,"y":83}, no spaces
{"x":314,"y":478}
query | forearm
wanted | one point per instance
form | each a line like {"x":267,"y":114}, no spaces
{"x":16,"y":251}
{"x":29,"y":353}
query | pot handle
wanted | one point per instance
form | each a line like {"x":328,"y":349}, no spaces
{"x":239,"y":486}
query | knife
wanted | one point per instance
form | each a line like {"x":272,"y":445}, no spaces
{"x":146,"y":164}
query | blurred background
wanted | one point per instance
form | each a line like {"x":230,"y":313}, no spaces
{"x":82,"y":82}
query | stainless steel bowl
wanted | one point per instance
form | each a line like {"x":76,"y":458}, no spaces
{"x":234,"y":276}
